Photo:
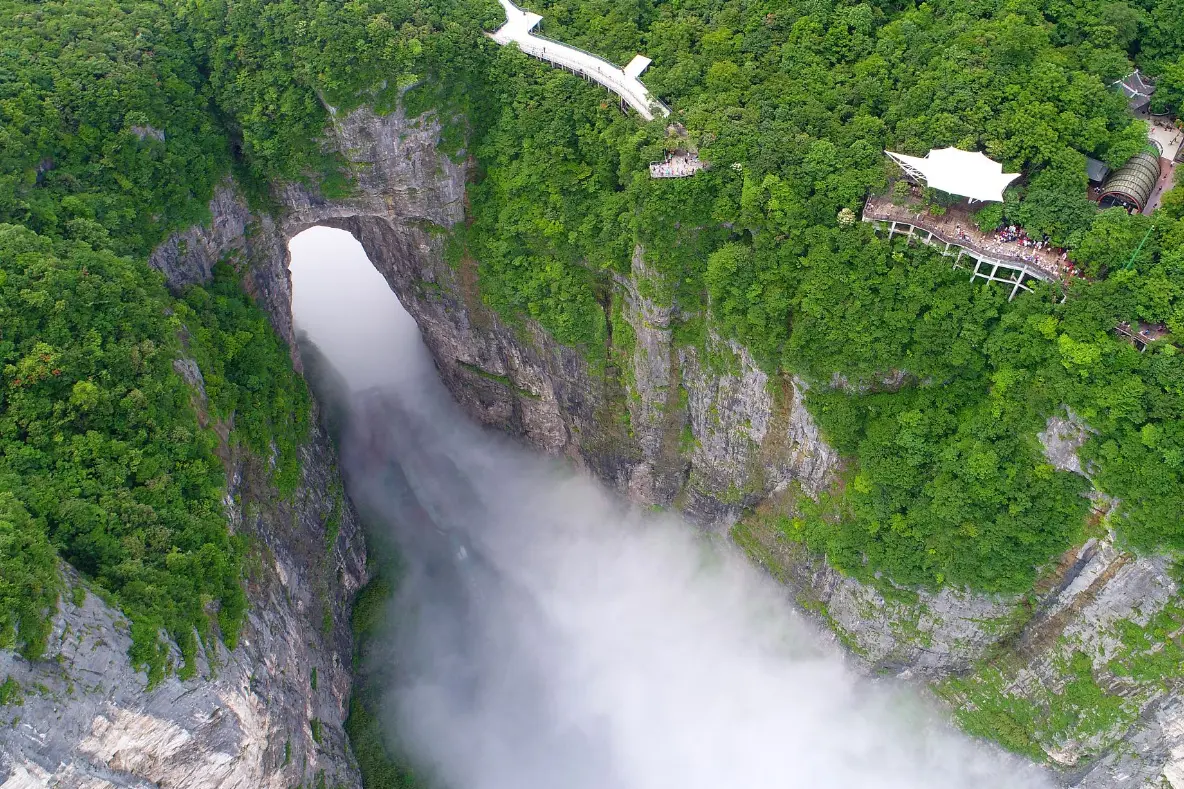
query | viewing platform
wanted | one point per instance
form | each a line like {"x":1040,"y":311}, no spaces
{"x":954,"y":235}
{"x":678,"y":165}
{"x":623,"y":82}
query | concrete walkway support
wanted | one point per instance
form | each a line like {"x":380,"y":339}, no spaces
{"x":623,"y":82}
{"x":1012,"y":274}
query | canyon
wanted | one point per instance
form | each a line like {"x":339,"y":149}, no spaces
{"x":697,"y":429}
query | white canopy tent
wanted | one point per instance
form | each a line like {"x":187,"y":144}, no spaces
{"x":966,"y":173}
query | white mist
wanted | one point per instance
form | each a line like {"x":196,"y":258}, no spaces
{"x":548,"y":637}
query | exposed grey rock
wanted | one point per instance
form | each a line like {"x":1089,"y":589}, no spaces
{"x":191,"y":373}
{"x":752,"y":435}
{"x":938,"y":634}
{"x":1063,"y":436}
{"x":88,"y":719}
{"x":188,"y":258}
{"x":891,"y":382}
{"x":1138,"y":741}
{"x":657,"y":414}
{"x":144,"y":132}
{"x":700,"y":428}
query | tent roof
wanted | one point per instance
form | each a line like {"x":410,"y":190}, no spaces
{"x":966,"y":173}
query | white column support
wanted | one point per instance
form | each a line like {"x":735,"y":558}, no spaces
{"x":988,"y":268}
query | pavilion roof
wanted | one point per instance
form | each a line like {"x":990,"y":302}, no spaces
{"x":1136,"y":88}
{"x":965,"y":173}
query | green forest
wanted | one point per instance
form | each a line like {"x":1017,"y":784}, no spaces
{"x":107,"y":459}
{"x":119,"y":117}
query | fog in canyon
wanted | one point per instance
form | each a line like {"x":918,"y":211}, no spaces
{"x":545,"y":634}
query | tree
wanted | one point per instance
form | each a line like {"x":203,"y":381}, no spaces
{"x":29,"y":580}
{"x":1057,"y":202}
{"x":1112,"y":239}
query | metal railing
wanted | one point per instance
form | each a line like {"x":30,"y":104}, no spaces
{"x":610,"y":76}
{"x":1002,"y":259}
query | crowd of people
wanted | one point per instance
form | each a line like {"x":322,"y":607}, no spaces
{"x":678,"y":166}
{"x":1037,"y":251}
{"x":1006,"y":242}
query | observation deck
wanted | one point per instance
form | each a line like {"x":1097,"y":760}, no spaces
{"x":623,"y":82}
{"x":955,"y":236}
{"x":679,"y":165}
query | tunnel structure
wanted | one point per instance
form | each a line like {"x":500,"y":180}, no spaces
{"x":1131,"y":185}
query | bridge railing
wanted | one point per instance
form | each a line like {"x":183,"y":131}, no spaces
{"x":610,"y":76}
{"x":1003,"y":258}
{"x":615,"y":77}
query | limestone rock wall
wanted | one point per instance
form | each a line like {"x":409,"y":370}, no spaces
{"x":700,"y":428}
{"x":87,"y":719}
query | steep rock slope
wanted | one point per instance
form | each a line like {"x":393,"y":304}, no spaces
{"x":267,"y":714}
{"x":703,"y":429}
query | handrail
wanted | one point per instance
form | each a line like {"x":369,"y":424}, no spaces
{"x":614,"y":74}
{"x":602,"y":59}
{"x":578,"y":60}
{"x":592,"y":55}
{"x":999,"y":258}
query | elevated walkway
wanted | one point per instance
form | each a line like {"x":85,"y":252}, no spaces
{"x":990,"y":264}
{"x":623,"y":82}
{"x":1141,"y":335}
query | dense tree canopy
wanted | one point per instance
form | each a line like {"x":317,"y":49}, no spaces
{"x":107,"y":142}
{"x":104,"y":132}
{"x":100,"y":447}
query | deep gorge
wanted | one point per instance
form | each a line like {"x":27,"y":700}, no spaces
{"x":544,"y":631}
{"x":545,"y":394}
{"x":971,"y":495}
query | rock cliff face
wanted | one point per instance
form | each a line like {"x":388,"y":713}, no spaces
{"x":699,"y":428}
{"x":704,"y":430}
{"x":267,"y":714}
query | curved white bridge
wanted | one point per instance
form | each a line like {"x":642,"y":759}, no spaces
{"x":623,"y":82}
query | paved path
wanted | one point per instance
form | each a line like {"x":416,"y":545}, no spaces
{"x":957,"y":228}
{"x":1167,"y":174}
{"x":623,"y":82}
{"x":1168,"y":137}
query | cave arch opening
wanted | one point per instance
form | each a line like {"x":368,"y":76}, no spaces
{"x":344,"y":305}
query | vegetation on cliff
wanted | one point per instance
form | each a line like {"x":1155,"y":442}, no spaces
{"x":117,"y":117}
{"x":101,"y":452}
{"x":107,"y":143}
{"x":793,"y":104}
{"x":378,"y":765}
